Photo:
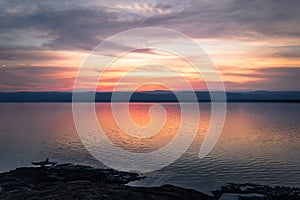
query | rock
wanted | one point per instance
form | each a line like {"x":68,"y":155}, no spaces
{"x":234,"y":196}
{"x":45,"y":163}
{"x":251,"y":191}
{"x":67,"y":181}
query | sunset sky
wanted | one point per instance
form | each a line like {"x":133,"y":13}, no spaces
{"x":254,"y":44}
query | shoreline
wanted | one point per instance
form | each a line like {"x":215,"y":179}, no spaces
{"x":68,"y":181}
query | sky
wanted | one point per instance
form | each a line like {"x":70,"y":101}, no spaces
{"x":254,"y":44}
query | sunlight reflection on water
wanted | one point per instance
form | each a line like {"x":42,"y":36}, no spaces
{"x":260,"y":142}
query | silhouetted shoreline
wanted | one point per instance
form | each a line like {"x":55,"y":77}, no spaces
{"x":152,"y":96}
{"x":68,"y":181}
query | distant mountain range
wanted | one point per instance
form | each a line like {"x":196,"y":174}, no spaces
{"x":153,"y":96}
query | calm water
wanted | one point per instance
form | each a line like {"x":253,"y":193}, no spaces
{"x":260,"y":142}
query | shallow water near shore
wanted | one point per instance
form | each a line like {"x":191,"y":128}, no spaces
{"x":260,"y":142}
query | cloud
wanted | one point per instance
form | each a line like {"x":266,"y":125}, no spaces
{"x":62,"y":79}
{"x":26,"y":54}
{"x":82,"y":27}
{"x":77,"y":28}
{"x":273,"y":78}
{"x":36,"y":78}
{"x":291,"y":52}
{"x":237,"y":19}
{"x":31,"y":30}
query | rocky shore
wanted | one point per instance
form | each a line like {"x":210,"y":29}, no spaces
{"x":67,"y":181}
{"x":249,"y":191}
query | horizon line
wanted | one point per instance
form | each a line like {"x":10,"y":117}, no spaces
{"x":151,"y":91}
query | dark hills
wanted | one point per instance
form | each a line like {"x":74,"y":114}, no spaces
{"x":154,"y":96}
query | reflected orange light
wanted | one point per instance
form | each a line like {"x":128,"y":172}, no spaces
{"x":139,"y":113}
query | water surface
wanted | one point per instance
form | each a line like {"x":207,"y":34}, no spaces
{"x":260,"y":142}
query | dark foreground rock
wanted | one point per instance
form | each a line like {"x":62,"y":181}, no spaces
{"x":249,"y":191}
{"x":68,"y":181}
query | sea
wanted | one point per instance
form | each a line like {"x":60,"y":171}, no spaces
{"x":259,"y":142}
